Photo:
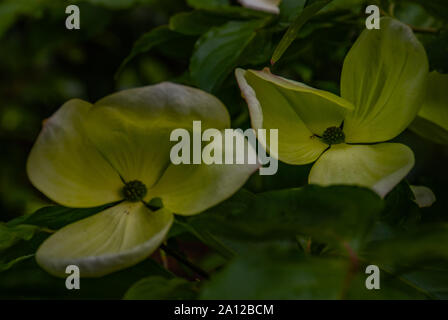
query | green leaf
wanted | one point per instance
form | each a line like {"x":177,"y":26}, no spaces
{"x":27,"y":280}
{"x":289,"y":10}
{"x":400,"y":209}
{"x":430,"y":280}
{"x":161,"y":288}
{"x":217,"y":52}
{"x":259,"y":50}
{"x":21,"y":251}
{"x":148,"y":41}
{"x":277,"y":273}
{"x":333,"y":214}
{"x":201,"y":4}
{"x":204,"y":236}
{"x":56,"y":217}
{"x":392,"y":287}
{"x":355,"y":6}
{"x":195,"y":22}
{"x":117,"y":4}
{"x":223,"y":8}
{"x":9,"y":236}
{"x":19,"y":238}
{"x":417,"y":247}
{"x":416,"y":258}
{"x":308,"y":12}
{"x":8,"y":265}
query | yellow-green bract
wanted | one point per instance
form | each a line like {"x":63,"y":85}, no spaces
{"x":87,"y":153}
{"x":432,"y":119}
{"x":270,"y":6}
{"x":382,"y":89}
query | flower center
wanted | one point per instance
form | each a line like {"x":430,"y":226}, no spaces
{"x":134,"y":191}
{"x":333,"y":135}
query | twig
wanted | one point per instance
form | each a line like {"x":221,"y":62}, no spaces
{"x":308,"y":246}
{"x":392,"y":10}
{"x":423,"y":29}
{"x":185,"y":261}
{"x":353,"y":269}
{"x":164,"y":259}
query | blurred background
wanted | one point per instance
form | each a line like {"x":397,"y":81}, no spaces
{"x":42,"y":65}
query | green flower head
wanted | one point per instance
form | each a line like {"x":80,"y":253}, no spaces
{"x":118,"y":151}
{"x":382,"y":89}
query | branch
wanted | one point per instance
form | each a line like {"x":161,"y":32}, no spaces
{"x":185,"y":261}
{"x":353,"y":269}
{"x":423,"y":29}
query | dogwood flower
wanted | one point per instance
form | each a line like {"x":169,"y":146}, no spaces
{"x":382,"y":89}
{"x":432,"y":119}
{"x":270,"y":6}
{"x":118,"y":151}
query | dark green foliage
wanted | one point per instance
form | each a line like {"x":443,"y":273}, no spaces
{"x":157,"y":288}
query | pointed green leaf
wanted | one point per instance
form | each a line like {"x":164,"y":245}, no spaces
{"x":149,"y":40}
{"x":430,"y":280}
{"x":10,"y":235}
{"x":224,"y":8}
{"x":201,"y":4}
{"x":195,"y":22}
{"x":8,"y":265}
{"x":217,"y":52}
{"x":55,"y":217}
{"x":307,"y":13}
